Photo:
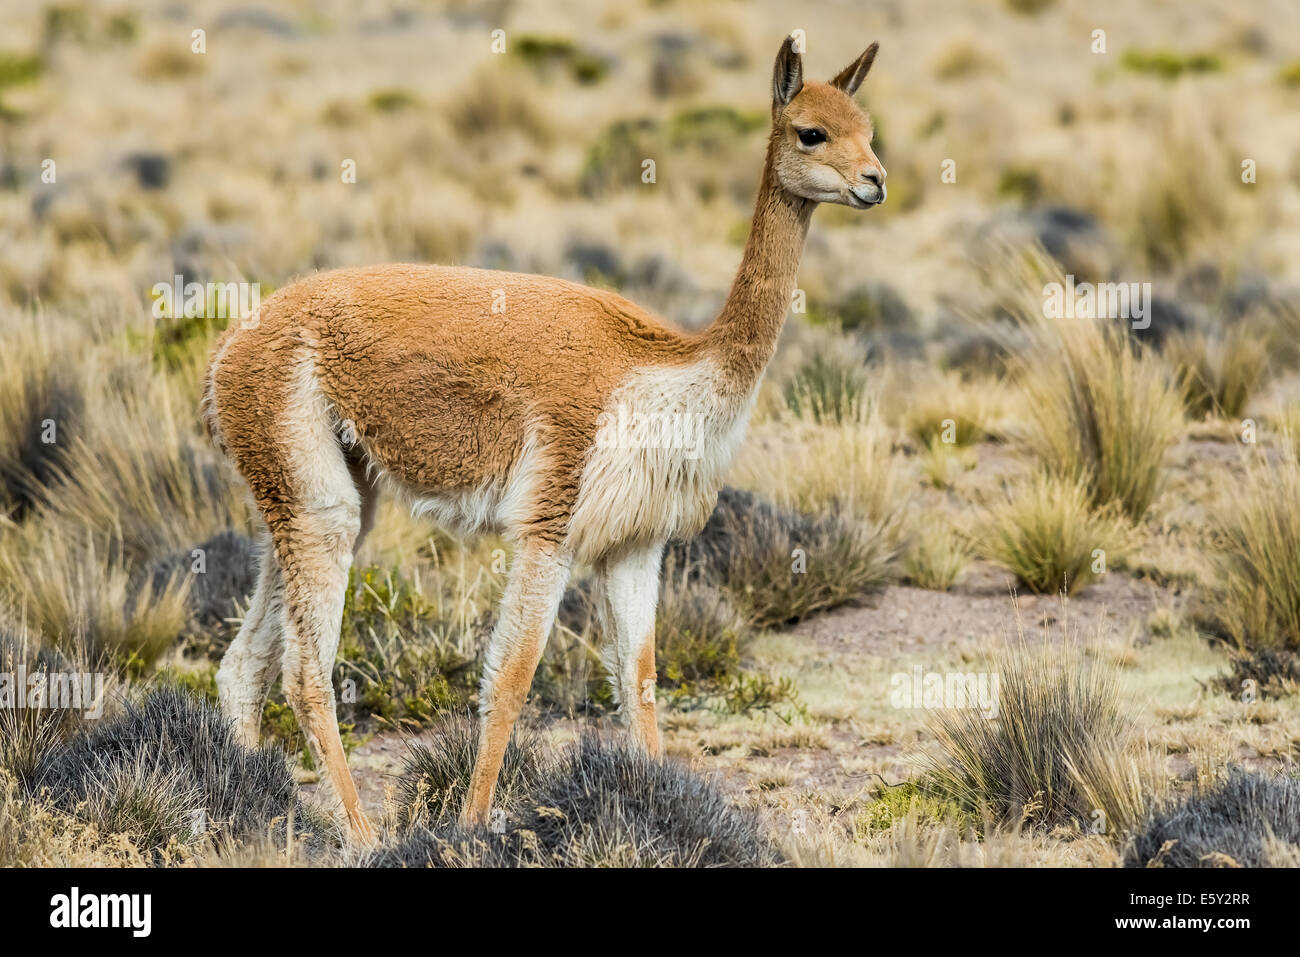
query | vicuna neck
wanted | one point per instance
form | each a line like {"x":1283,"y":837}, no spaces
{"x":744,"y":334}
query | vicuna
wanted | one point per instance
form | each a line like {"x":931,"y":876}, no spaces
{"x":405,"y":377}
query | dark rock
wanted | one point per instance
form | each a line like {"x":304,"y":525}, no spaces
{"x":230,"y":575}
{"x":1073,"y":238}
{"x":594,"y":260}
{"x":151,"y":170}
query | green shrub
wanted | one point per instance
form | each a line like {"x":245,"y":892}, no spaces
{"x":19,"y":68}
{"x":391,"y":100}
{"x":711,"y":127}
{"x":546,"y":52}
{"x":614,"y":160}
{"x":1168,"y":64}
{"x":698,"y":635}
{"x":408,"y":658}
{"x":911,"y":798}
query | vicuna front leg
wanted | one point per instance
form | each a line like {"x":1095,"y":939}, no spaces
{"x":628,"y":599}
{"x":532,"y":597}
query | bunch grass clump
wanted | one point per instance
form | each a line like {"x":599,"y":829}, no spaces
{"x":951,"y":410}
{"x":1100,"y":410}
{"x":936,"y":556}
{"x":43,"y":401}
{"x":27,"y":734}
{"x":78,"y":592}
{"x":1056,"y":753}
{"x":1220,"y":374}
{"x":779,"y":566}
{"x":1047,"y":533}
{"x":601,"y":804}
{"x":1256,"y":532}
{"x":435,"y":779}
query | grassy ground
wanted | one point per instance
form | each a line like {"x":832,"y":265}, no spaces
{"x":940,"y":479}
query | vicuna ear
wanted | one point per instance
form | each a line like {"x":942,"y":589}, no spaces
{"x":787,"y":75}
{"x":851,"y":77}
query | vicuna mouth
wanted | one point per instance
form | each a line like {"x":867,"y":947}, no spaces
{"x":864,"y":197}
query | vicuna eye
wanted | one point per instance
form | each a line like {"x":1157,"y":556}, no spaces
{"x":811,"y":137}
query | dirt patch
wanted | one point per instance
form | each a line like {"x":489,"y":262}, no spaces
{"x":903,"y":620}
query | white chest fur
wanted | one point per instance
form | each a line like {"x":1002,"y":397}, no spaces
{"x":663,"y":448}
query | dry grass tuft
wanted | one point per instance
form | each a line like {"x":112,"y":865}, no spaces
{"x":1058,"y":751}
{"x":1100,"y":411}
{"x":1221,"y":374}
{"x":1047,"y":533}
{"x":1256,"y":601}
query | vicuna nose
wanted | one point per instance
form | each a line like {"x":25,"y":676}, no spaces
{"x":874,"y":174}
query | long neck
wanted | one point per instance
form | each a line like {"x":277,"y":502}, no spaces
{"x":744,"y":334}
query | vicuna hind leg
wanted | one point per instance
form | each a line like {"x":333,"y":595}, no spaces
{"x":252,"y":662}
{"x":532,"y":597}
{"x":316,"y":554}
{"x":315,"y":534}
{"x":629,"y":595}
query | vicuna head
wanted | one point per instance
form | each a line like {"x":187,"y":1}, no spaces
{"x":821,"y":139}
